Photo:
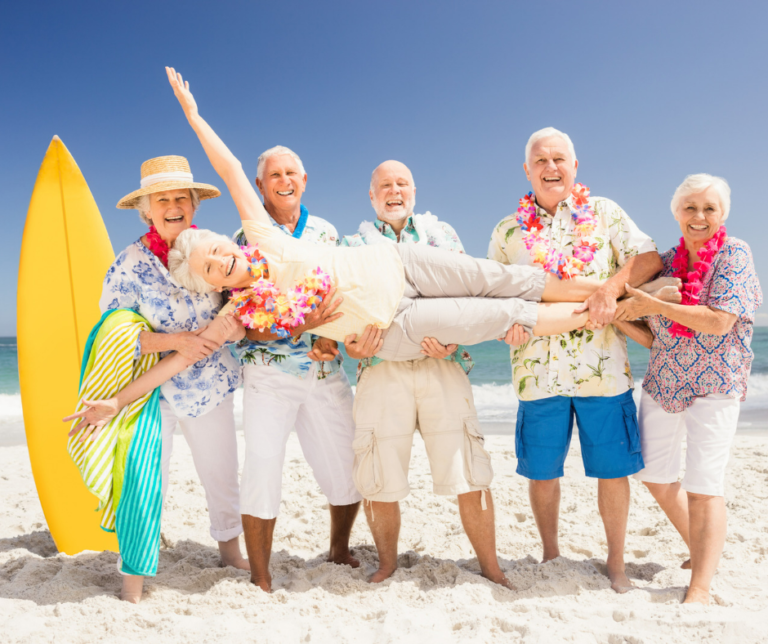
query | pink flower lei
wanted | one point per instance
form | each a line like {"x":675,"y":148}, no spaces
{"x":263,"y":306}
{"x":584,"y":246}
{"x":693,"y":281}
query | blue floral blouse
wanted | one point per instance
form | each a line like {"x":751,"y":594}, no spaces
{"x":137,"y":280}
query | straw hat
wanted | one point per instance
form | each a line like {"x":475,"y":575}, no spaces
{"x":166,"y":173}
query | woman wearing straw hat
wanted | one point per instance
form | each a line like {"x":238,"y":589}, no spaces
{"x":200,"y":397}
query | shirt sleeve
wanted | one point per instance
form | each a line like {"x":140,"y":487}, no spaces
{"x":627,"y":240}
{"x":735,"y":288}
{"x":119,"y":291}
{"x":496,"y":245}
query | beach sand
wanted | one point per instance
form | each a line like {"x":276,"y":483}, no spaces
{"x":436,"y":595}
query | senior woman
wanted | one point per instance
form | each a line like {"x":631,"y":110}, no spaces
{"x":199,"y":398}
{"x":697,"y":375}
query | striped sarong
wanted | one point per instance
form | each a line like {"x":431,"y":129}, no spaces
{"x":122,"y":466}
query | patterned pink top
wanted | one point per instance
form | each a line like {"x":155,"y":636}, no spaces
{"x":681,"y":369}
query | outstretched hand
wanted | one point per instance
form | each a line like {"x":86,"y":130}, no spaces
{"x":181,"y":90}
{"x":96,"y":416}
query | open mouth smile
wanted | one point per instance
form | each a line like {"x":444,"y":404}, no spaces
{"x":285,"y":193}
{"x":394,"y":202}
{"x":174,"y":220}
{"x":231,"y":266}
{"x":552,"y":179}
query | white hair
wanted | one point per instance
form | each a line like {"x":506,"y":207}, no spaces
{"x":178,"y":259}
{"x":278,"y":149}
{"x":142,"y":205}
{"x":546,"y":133}
{"x":695,"y":183}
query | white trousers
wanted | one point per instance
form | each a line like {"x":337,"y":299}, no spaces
{"x":320,"y":411}
{"x":709,"y":426}
{"x":212,"y":441}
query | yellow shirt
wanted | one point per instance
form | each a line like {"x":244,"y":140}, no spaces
{"x":369,"y":278}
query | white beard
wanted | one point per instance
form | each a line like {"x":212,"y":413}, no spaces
{"x":392,"y":218}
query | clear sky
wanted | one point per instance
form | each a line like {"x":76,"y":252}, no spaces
{"x":649,"y":92}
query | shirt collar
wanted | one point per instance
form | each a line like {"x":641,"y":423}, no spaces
{"x":385,"y":229}
{"x":301,"y":224}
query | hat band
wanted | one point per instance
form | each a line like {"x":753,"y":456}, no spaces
{"x":165,"y":176}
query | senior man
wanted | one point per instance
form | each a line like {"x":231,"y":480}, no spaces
{"x":583,"y":373}
{"x":285,"y":389}
{"x":431,"y":394}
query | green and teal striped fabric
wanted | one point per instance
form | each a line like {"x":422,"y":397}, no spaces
{"x":122,"y":466}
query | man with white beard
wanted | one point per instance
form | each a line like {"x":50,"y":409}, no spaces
{"x":431,"y":394}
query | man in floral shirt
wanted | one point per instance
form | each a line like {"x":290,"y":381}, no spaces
{"x":583,"y":374}
{"x":285,"y":389}
{"x":431,"y":394}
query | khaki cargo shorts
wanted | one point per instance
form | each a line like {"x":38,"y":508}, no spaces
{"x":393,"y":400}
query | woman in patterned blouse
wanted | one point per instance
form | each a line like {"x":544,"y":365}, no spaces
{"x":698,"y":371}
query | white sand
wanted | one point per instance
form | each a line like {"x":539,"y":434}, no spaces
{"x":435,"y":596}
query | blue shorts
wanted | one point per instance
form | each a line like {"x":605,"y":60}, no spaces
{"x":608,"y":432}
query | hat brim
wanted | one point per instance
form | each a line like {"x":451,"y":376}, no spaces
{"x":204,"y":191}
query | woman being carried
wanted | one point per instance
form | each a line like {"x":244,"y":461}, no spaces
{"x":410,"y":291}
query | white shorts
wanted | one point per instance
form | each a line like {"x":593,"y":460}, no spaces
{"x":274,"y":403}
{"x":709,"y":425}
{"x":212,"y":441}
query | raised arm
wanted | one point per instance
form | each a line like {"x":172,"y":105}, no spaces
{"x":223,"y":161}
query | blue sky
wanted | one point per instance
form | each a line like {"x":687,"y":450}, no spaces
{"x":648,"y":91}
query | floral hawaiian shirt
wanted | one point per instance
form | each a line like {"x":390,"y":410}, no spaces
{"x":290,"y":355}
{"x":682,"y":369}
{"x":137,"y":280}
{"x":579,"y":363}
{"x":419,"y":229}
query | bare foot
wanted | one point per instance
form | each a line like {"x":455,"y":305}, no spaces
{"x":686,"y":565}
{"x":132,"y":588}
{"x":380,"y":575}
{"x":696,"y":596}
{"x":231,"y":555}
{"x":655,"y":285}
{"x":620,"y":582}
{"x":343,"y":558}
{"x":265,"y":582}
{"x":500,"y":579}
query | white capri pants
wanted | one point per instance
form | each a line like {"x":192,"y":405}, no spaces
{"x":709,"y":425}
{"x":212,"y":441}
{"x":274,"y":403}
{"x":459,"y":299}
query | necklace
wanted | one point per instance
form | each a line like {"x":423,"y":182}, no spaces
{"x":693,"y":280}
{"x":262,"y":305}
{"x":554,"y":261}
{"x":158,"y":246}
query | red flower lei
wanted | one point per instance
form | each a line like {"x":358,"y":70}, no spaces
{"x":693,"y":280}
{"x":158,"y":246}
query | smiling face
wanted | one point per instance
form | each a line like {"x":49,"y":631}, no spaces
{"x":700,"y":215}
{"x":551,"y":169}
{"x":282,"y":184}
{"x":171,"y":213}
{"x":392,"y":193}
{"x":220,"y":263}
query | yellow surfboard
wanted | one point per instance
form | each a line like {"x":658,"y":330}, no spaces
{"x":65,"y":253}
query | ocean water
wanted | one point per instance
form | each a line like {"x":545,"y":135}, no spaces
{"x":494,"y":397}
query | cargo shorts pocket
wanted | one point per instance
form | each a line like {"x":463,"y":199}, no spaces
{"x":631,"y":426}
{"x":477,"y":462}
{"x":366,"y":470}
